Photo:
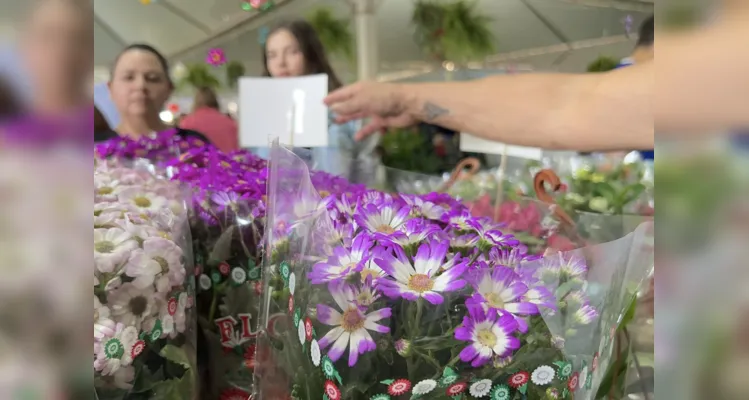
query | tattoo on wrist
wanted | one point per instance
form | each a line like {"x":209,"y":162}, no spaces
{"x":432,"y":111}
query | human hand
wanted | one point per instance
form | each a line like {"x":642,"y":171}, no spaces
{"x":385,"y":104}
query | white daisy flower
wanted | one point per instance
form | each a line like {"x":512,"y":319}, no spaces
{"x":481,"y":388}
{"x":143,"y":198}
{"x":292,"y":283}
{"x":112,"y":248}
{"x":424,"y":387}
{"x":172,"y":315}
{"x":130,"y":305}
{"x":543,"y":375}
{"x":159,"y":262}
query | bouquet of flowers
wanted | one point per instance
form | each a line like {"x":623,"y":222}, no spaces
{"x":374,"y":296}
{"x":144,"y":325}
{"x":227,"y":221}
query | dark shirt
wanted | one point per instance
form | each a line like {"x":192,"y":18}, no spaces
{"x":102,"y":136}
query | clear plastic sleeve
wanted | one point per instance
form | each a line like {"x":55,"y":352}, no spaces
{"x":377,"y":296}
{"x":144,"y":287}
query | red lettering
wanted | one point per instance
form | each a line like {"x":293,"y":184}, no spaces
{"x":246,"y":327}
{"x":226,"y":328}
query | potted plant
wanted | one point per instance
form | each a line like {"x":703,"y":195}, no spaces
{"x":603,"y":64}
{"x":334,"y":32}
{"x":234,"y":71}
{"x":452,"y":31}
{"x":199,"y":75}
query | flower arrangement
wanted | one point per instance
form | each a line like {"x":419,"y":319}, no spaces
{"x":375,"y":296}
{"x":227,"y":223}
{"x":144,"y":324}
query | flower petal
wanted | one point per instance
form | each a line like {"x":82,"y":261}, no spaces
{"x":339,"y":346}
{"x":328,"y":315}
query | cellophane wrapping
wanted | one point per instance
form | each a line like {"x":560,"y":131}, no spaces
{"x":144,"y":320}
{"x":377,"y":296}
{"x":227,"y":222}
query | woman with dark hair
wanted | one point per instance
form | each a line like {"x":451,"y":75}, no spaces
{"x":294,"y":49}
{"x":207,"y":117}
{"x":140,"y":85}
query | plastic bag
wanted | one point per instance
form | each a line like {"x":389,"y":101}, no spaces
{"x":144,"y":321}
{"x":377,"y":296}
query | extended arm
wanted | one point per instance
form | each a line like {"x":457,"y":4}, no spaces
{"x":609,"y":111}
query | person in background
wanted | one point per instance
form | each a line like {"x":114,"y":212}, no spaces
{"x":294,"y":49}
{"x":207,"y":118}
{"x":100,"y":123}
{"x":56,"y":53}
{"x":140,"y":86}
{"x":9,"y":104}
{"x":645,"y":47}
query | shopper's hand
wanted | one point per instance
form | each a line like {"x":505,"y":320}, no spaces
{"x":385,"y":104}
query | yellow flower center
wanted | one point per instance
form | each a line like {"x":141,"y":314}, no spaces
{"x":324,"y":193}
{"x":486,"y":338}
{"x":420,"y":283}
{"x":105,"y":190}
{"x":495,"y":301}
{"x":142,"y":201}
{"x":104,"y":247}
{"x":162,"y":263}
{"x":368,"y":272}
{"x":385,"y":229}
{"x":352,"y":320}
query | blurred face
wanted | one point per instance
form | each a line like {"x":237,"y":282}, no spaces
{"x":284,"y":56}
{"x":58,"y":46}
{"x":139,"y":86}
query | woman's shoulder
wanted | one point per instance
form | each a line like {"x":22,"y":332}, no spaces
{"x":191,"y":133}
{"x":104,"y":135}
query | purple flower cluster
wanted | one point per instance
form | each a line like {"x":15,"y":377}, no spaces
{"x":387,"y":253}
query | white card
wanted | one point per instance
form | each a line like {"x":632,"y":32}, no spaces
{"x":474,"y":144}
{"x":290,"y":109}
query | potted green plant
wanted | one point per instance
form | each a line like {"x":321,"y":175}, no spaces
{"x":334,"y":32}
{"x":603,"y":64}
{"x":199,"y":75}
{"x":453,"y":31}
{"x":234,"y":71}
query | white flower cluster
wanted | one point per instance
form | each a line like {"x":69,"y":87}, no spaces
{"x":140,"y":277}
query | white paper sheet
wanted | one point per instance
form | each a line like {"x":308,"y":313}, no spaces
{"x":290,"y":109}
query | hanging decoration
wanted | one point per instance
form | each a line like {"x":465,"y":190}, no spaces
{"x":257,"y":5}
{"x":334,"y":32}
{"x":216,"y":57}
{"x":173,"y":108}
{"x":454,"y":31}
{"x":628,"y":24}
{"x":262,"y":35}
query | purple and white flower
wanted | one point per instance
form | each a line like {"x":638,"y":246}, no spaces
{"x":489,"y":335}
{"x":383,"y":218}
{"x":490,"y":235}
{"x":351,"y":325}
{"x":500,"y":289}
{"x":413,"y":232}
{"x":425,"y":277}
{"x":343,"y":263}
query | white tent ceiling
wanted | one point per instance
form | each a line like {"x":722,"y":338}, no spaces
{"x":185,"y":29}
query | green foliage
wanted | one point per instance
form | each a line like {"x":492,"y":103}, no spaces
{"x":334,"y":33}
{"x":234,"y":71}
{"x":603,"y":64}
{"x":453,"y":31}
{"x":199,"y":75}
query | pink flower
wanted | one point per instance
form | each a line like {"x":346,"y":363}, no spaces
{"x":216,"y":57}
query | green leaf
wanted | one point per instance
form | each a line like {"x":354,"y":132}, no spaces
{"x":176,"y":389}
{"x":146,"y":379}
{"x":603,"y":64}
{"x":334,"y":33}
{"x":388,"y":382}
{"x":619,"y":368}
{"x":629,"y":315}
